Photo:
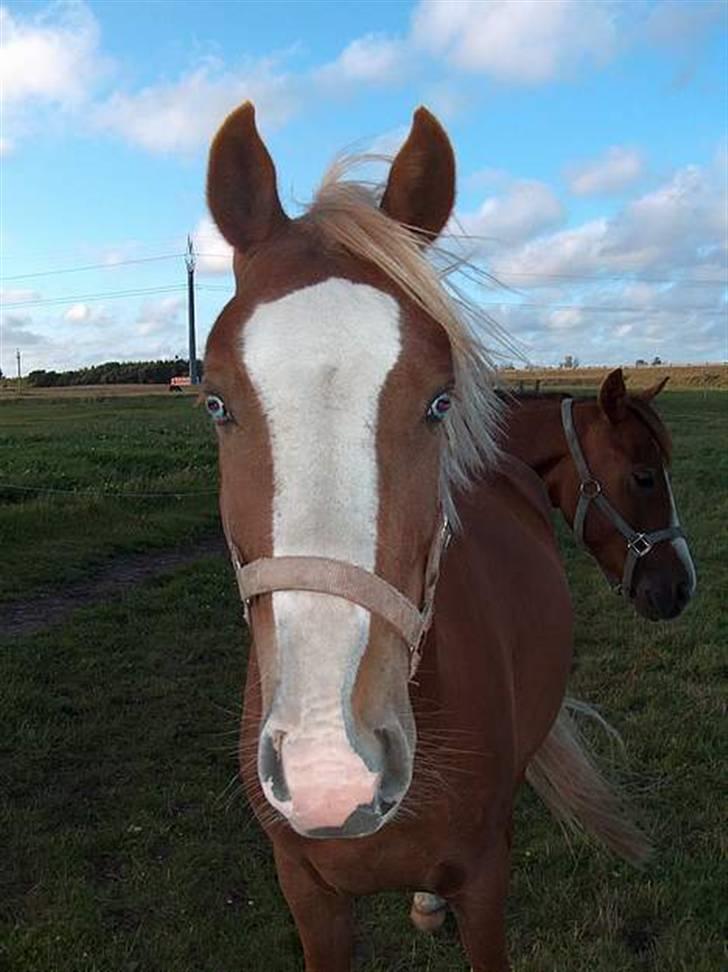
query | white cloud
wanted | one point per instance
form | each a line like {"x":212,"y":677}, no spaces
{"x":48,"y":59}
{"x":15,"y":330}
{"x":617,"y":168}
{"x":677,"y":229}
{"x":77,"y":313}
{"x":565,"y":318}
{"x":160,"y":317}
{"x":12,"y":295}
{"x":586,"y":296}
{"x":214,"y":254}
{"x":183,"y":115}
{"x":517,"y":41}
{"x":89,"y":315}
{"x":16,"y":334}
{"x":526,"y":207}
{"x":52,"y":55}
{"x":371,"y":59}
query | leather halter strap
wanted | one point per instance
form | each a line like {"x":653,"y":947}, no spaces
{"x":324,"y":575}
{"x":590,"y":491}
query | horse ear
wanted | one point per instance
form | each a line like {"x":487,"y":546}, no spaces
{"x":241,"y":183}
{"x":613,"y":396}
{"x":649,"y":393}
{"x":421,"y":187}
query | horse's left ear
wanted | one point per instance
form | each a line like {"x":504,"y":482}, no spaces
{"x":421,"y":187}
{"x":613,"y":396}
{"x":649,"y":393}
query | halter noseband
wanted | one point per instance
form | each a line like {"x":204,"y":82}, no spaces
{"x":590,"y":491}
{"x":341,"y":579}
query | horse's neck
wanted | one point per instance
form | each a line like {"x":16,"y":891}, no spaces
{"x":534,"y":434}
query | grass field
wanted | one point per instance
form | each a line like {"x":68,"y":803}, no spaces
{"x":126,"y":844}
{"x":83,"y":480}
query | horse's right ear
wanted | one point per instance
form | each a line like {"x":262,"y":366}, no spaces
{"x":241,"y":183}
{"x":613,"y":396}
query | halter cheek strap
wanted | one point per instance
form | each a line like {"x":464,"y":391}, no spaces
{"x":324,"y":575}
{"x":590,"y":491}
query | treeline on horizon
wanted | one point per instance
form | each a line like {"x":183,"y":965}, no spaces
{"x":114,"y":373}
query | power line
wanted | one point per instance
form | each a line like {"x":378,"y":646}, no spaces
{"x":221,"y":288}
{"x":105,"y":295}
{"x":91,"y":266}
{"x":627,"y":277}
{"x":707,"y":308}
{"x":543,"y":306}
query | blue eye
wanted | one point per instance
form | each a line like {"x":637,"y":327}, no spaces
{"x":439,"y":407}
{"x":216,"y":409}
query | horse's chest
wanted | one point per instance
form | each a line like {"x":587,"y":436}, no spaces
{"x":429,"y":847}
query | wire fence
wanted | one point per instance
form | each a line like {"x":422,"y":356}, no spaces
{"x":106,"y":492}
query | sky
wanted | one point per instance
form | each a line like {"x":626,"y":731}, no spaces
{"x":591,"y":139}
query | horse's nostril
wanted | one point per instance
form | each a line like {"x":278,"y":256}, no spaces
{"x":682,"y":593}
{"x":396,"y":766}
{"x":270,"y":764}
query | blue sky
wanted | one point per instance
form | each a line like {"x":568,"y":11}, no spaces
{"x":590,"y":136}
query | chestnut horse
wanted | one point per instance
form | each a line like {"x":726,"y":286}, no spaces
{"x":605,"y":465}
{"x":352,"y":408}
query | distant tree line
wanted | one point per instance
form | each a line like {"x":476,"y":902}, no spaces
{"x":114,"y":373}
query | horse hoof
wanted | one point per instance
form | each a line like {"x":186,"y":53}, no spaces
{"x":428,"y":911}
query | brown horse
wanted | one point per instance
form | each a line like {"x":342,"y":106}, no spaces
{"x":353,"y":407}
{"x":605,"y":464}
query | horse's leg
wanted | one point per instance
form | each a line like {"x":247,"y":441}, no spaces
{"x":324,"y":918}
{"x":480,"y":911}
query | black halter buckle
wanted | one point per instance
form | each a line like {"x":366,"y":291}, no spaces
{"x":639,"y":544}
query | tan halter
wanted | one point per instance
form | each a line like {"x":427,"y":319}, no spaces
{"x":326,"y":576}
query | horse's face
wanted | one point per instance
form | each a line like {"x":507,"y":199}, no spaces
{"x":330,"y":391}
{"x":625,"y":456}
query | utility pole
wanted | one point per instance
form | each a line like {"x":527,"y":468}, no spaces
{"x":190,"y":264}
{"x":17,"y":358}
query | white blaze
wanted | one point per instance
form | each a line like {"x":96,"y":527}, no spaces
{"x":318,"y":359}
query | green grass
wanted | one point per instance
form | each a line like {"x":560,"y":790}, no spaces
{"x":87,"y":454}
{"x":126,"y":852}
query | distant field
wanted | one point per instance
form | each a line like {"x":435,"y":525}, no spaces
{"x":681,"y":376}
{"x":127,"y":846}
{"x":10,"y":390}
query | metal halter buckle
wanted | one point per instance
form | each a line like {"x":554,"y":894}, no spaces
{"x":639,"y":544}
{"x":590,"y":488}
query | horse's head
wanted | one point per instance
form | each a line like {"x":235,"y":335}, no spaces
{"x":330,"y":376}
{"x":622,"y":504}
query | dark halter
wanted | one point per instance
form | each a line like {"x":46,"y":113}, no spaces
{"x":590,"y":491}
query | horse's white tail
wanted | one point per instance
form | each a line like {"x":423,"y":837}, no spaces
{"x":565,"y":776}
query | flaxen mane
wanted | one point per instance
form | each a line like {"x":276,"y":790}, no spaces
{"x":347,"y":213}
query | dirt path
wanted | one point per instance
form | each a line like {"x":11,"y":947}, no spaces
{"x":29,"y":615}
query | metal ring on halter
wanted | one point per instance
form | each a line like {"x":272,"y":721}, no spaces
{"x":591,"y":488}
